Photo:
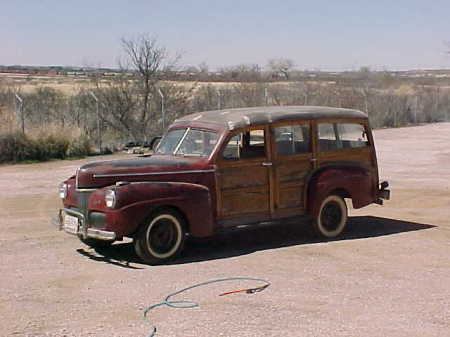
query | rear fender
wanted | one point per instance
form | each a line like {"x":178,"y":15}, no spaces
{"x":353,"y":182}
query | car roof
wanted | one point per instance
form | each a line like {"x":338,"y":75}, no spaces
{"x":242,"y":117}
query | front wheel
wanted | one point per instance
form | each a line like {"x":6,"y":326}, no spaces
{"x":160,"y":238}
{"x":331,"y":218}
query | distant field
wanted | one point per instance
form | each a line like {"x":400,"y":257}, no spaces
{"x":71,"y":84}
{"x":28,"y":83}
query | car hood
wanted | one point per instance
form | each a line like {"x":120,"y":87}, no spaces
{"x":157,"y":167}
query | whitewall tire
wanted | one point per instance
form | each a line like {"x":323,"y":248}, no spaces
{"x":332,"y":217}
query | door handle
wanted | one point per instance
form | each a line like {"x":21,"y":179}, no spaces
{"x":266,"y":163}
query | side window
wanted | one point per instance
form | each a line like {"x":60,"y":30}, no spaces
{"x":292,"y":139}
{"x":352,"y":135}
{"x":250,"y":144}
{"x":232,"y":150}
{"x":334,"y":136}
{"x":327,"y":137}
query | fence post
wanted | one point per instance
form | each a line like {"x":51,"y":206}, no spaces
{"x":19,"y":111}
{"x":99,"y":132}
{"x":219,"y":96}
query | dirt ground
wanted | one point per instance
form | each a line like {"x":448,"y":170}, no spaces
{"x":388,"y":276}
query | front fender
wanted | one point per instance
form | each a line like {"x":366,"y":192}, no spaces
{"x":136,"y":201}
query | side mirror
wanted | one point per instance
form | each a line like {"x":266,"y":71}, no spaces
{"x":155,"y":142}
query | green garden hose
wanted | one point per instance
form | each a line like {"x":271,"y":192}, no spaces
{"x":190,"y":304}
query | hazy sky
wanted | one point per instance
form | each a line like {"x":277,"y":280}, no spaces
{"x":333,"y":34}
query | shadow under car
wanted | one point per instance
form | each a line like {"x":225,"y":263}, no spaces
{"x":256,"y":238}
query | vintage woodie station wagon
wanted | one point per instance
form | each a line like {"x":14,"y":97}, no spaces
{"x":220,"y":169}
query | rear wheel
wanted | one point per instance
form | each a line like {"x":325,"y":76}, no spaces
{"x":332,"y":217}
{"x":161,"y":237}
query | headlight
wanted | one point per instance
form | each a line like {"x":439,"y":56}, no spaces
{"x":110,"y":198}
{"x":62,"y":190}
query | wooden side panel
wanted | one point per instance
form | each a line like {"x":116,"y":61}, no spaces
{"x":244,"y":189}
{"x":243,"y":176}
{"x":362,"y":156}
{"x":290,"y":175}
{"x":248,"y":200}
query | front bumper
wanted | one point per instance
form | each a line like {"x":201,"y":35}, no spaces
{"x":81,"y":229}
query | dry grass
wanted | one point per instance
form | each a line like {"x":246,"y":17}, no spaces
{"x":41,"y":144}
{"x":28,"y":83}
{"x":69,"y":85}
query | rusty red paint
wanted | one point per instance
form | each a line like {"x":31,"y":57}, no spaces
{"x":354,"y":181}
{"x":103,"y":174}
{"x":137,"y":201}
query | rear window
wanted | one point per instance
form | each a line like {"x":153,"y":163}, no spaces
{"x":335,"y":136}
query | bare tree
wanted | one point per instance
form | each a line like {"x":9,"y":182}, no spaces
{"x":119,"y":101}
{"x":45,"y":106}
{"x":205,"y":98}
{"x":130,"y":104}
{"x":249,"y":94}
{"x":149,"y":62}
{"x":203,"y":67}
{"x":281,"y":66}
{"x":242,"y":73}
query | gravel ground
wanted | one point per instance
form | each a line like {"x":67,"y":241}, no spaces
{"x":388,"y":276}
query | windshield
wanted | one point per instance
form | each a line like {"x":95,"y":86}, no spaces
{"x":188,"y":142}
{"x":170,"y":141}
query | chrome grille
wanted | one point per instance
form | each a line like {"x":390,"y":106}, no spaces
{"x":82,"y":200}
{"x":82,"y":203}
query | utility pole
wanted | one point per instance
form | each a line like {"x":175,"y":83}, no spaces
{"x":19,"y":111}
{"x":99,"y":132}
{"x":266,"y":96}
{"x":163,"y":113}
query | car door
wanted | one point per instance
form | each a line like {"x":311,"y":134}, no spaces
{"x":243,"y":177}
{"x":292,"y":162}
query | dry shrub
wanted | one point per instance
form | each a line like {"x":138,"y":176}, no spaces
{"x":51,"y":147}
{"x":79,"y":147}
{"x":15,"y":147}
{"x":42,"y":146}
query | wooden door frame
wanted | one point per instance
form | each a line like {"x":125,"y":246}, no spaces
{"x":222,"y":163}
{"x":276,"y":158}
